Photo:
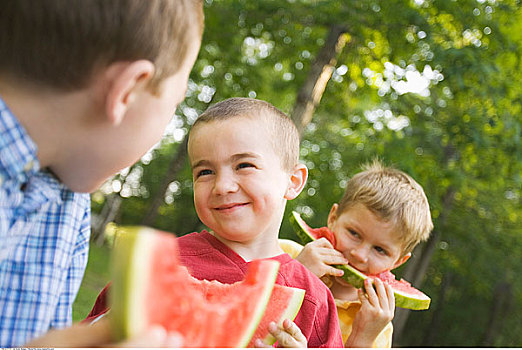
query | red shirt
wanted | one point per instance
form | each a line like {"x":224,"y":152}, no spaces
{"x":207,"y":258}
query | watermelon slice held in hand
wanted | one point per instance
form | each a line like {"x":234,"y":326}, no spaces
{"x":307,"y":234}
{"x":150,"y":287}
{"x":406,"y":296}
{"x":284,"y":303}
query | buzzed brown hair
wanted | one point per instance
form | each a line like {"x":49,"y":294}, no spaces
{"x":285,"y":138}
{"x":393,"y":196}
{"x":62,"y":43}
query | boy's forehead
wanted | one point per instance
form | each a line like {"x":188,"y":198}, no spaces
{"x":264,"y":127}
{"x":244,"y":124}
{"x":358,"y":213}
{"x":239,"y":131}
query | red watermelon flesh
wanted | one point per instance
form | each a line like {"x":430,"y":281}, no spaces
{"x":398,"y":285}
{"x":284,"y":303}
{"x":321,"y":232}
{"x":406,"y":296}
{"x":151,"y":287}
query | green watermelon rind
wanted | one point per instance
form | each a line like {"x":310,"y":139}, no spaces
{"x":355,"y":277}
{"x":300,"y":228}
{"x":402,"y":299}
{"x":269,"y":286}
{"x":128,"y":288}
{"x":290,"y":312}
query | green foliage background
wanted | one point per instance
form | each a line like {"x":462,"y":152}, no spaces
{"x":459,"y":135}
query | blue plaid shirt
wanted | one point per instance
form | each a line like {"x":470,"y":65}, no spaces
{"x":44,"y":240}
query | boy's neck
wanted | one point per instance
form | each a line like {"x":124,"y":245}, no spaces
{"x":259,"y":248}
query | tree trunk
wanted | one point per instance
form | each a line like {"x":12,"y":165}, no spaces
{"x":322,"y":68}
{"x":416,"y":269}
{"x":109,"y":212}
{"x":176,"y":164}
{"x":431,"y":333}
{"x":501,"y":304}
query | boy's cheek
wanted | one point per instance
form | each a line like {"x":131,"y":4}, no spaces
{"x":340,"y":245}
{"x":338,"y":242}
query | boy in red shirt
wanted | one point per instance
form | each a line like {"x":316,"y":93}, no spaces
{"x":244,"y":155}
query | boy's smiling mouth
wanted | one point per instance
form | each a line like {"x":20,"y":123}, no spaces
{"x":230,"y":206}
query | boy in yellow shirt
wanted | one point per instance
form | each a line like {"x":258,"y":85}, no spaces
{"x":382,"y":216}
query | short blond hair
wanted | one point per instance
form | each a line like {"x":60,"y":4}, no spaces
{"x":394,"y":196}
{"x":285,"y":137}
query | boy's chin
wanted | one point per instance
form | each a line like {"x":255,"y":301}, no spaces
{"x":342,"y":282}
{"x":81,"y":183}
{"x":85,"y":187}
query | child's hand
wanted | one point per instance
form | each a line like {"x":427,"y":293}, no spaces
{"x":288,"y":336}
{"x":318,"y":255}
{"x":99,"y":335}
{"x":377,"y":310}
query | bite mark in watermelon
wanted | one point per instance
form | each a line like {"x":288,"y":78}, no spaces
{"x":151,"y":287}
{"x":406,"y":296}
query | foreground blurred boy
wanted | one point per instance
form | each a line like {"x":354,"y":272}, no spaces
{"x":86,"y":88}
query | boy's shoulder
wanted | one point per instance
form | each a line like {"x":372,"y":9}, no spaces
{"x":294,"y":274}
{"x":317,"y":317}
{"x":193,"y":243}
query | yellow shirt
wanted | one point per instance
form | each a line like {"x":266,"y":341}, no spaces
{"x":346,"y":310}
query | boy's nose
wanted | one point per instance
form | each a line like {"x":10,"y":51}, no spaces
{"x":360,"y":254}
{"x":225,"y":184}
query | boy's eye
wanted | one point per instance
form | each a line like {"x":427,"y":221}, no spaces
{"x":353,"y":233}
{"x":381,"y":251}
{"x":245,"y":165}
{"x":203,"y":172}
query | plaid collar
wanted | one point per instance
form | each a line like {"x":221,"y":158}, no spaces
{"x":18,"y":159}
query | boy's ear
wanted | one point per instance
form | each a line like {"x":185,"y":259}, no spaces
{"x":332,"y":216}
{"x":125,"y":79}
{"x":298,"y":178}
{"x":401,"y":261}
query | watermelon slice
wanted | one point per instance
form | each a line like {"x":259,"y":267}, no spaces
{"x":307,"y":234}
{"x":406,"y":296}
{"x":151,"y":287}
{"x":284,"y":303}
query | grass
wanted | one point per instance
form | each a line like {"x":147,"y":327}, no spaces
{"x":95,"y":278}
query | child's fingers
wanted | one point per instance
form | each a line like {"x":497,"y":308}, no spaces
{"x":370,"y":292}
{"x":332,"y":256}
{"x":323,"y":242}
{"x":391,"y":297}
{"x":156,"y":336}
{"x":292,"y":329}
{"x":332,"y":271}
{"x":283,"y":337}
{"x":382,"y":294}
{"x":363,"y":297}
{"x":261,"y":344}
